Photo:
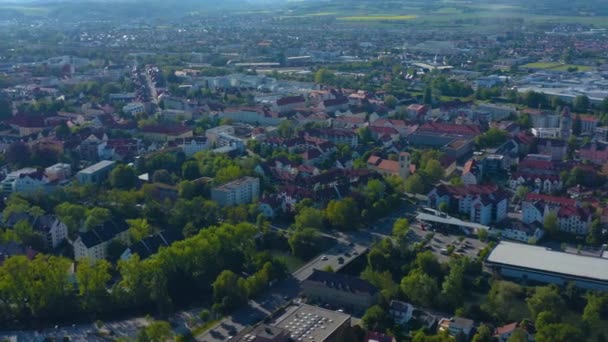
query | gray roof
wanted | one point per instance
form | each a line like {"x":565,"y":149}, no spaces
{"x":99,"y":166}
{"x":543,"y":259}
{"x":450,"y":221}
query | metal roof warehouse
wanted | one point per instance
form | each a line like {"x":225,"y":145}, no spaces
{"x":540,"y":264}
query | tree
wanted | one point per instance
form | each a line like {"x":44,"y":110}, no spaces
{"x":139,"y":229}
{"x":123,"y":177}
{"x":375,"y":319}
{"x":591,"y":313}
{"x":324,"y":76}
{"x":92,"y":280}
{"x":304,"y":242}
{"x":6,"y":109}
{"x":96,"y":217}
{"x":483,"y":334}
{"x":390,"y":101}
{"x":401,"y":228}
{"x":18,"y":154}
{"x":499,"y":299}
{"x":434,"y":171}
{"x":581,"y":103}
{"x":365,"y":135}
{"x":444,"y":207}
{"x":286,"y":129}
{"x":550,"y":223}
{"x":72,"y":215}
{"x":162,"y":176}
{"x":157,"y":331}
{"x":428,"y":96}
{"x":492,"y":138}
{"x":309,"y":218}
{"x":427,"y":262}
{"x":521,"y":192}
{"x":190,"y":170}
{"x":204,"y":315}
{"x":576,"y":126}
{"x":343,"y":214}
{"x":420,"y":288}
{"x":414,"y":184}
{"x":227,"y":174}
{"x":453,"y":290}
{"x":545,"y":299}
{"x":594,"y":237}
{"x":229,"y":290}
{"x":558,"y":332}
{"x":519,"y":335}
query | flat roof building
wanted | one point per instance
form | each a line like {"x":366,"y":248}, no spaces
{"x":241,"y":191}
{"x":312,"y":323}
{"x":96,"y":173}
{"x":540,"y":264}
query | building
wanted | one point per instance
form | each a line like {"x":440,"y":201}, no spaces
{"x":340,"y":290}
{"x":264,"y":333}
{"x":386,"y":167}
{"x":401,"y":312}
{"x":565,"y":124}
{"x":540,"y":264}
{"x":93,"y":244}
{"x":289,"y":103}
{"x":241,"y":191}
{"x":374,"y":336}
{"x":134,"y":108}
{"x":52,"y":229}
{"x":472,"y":172}
{"x":595,"y":152}
{"x":24,"y":180}
{"x":252,"y":116}
{"x":555,"y":148}
{"x":163,"y":133}
{"x":485,"y":204}
{"x":97,"y":173}
{"x":58,"y":172}
{"x":212,"y":134}
{"x":572,"y":217}
{"x":502,"y":334}
{"x":523,"y":232}
{"x":312,"y":323}
{"x":456,"y":326}
{"x":150,"y":245}
{"x":193,"y":145}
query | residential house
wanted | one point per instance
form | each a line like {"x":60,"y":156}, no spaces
{"x":572,"y":217}
{"x":349,"y":122}
{"x":26,"y":125}
{"x":520,"y":231}
{"x":164,"y":133}
{"x":289,"y":103}
{"x":193,"y":145}
{"x":386,"y":167}
{"x":333,"y":105}
{"x":241,"y":191}
{"x":503,"y":333}
{"x":52,"y":229}
{"x":24,"y":180}
{"x":134,"y":108}
{"x":417,"y":112}
{"x":58,"y":172}
{"x":13,"y":248}
{"x":93,"y":244}
{"x":595,"y":152}
{"x":212,"y":134}
{"x":150,"y":245}
{"x":403,"y":128}
{"x":373,"y":336}
{"x":401,"y":312}
{"x":455,"y":140}
{"x":556,"y":149}
{"x":589,"y":124}
{"x":472,"y":172}
{"x":485,"y":204}
{"x":339,"y":290}
{"x":456,"y":326}
{"x":97,"y":173}
{"x":495,"y":112}
{"x":337,"y":136}
{"x":253,"y":116}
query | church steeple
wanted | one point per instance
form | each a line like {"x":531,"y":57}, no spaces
{"x":565,"y":124}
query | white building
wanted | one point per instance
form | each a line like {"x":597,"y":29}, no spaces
{"x":24,"y":180}
{"x":483,"y":204}
{"x":401,"y":312}
{"x":96,"y":173}
{"x":193,"y":145}
{"x":93,"y":245}
{"x":523,"y":232}
{"x":53,"y":230}
{"x":134,"y":108}
{"x":572,"y":217}
{"x":58,"y":172}
{"x":241,"y":191}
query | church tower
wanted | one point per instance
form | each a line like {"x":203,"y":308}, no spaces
{"x":565,"y":124}
{"x":404,"y":165}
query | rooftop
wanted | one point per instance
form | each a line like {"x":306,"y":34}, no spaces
{"x":450,"y":221}
{"x":546,"y":260}
{"x":98,"y":166}
{"x":312,"y":322}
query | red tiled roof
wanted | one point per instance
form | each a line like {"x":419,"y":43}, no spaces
{"x":166,"y":129}
{"x":531,"y":197}
{"x":446,"y":128}
{"x":505,"y":329}
{"x":290,"y":100}
{"x":389,"y":166}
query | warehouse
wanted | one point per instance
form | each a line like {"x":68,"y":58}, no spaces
{"x":539,"y":264}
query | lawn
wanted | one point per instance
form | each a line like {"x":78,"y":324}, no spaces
{"x":555,"y":66}
{"x":378,"y":18}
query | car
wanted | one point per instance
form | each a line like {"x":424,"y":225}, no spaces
{"x":347,"y":255}
{"x":324,"y":258}
{"x":355,"y":253}
{"x":352,"y":244}
{"x":444,"y":251}
{"x":340,"y":260}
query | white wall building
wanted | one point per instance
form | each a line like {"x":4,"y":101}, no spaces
{"x":241,"y":191}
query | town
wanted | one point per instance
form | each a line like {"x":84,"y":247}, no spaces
{"x":304,"y":173}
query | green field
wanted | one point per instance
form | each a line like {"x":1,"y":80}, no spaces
{"x":377,"y":18}
{"x":556,"y":66}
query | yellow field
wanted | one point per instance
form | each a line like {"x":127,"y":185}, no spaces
{"x":378,"y":18}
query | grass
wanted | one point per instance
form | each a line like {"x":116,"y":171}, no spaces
{"x":201,"y":329}
{"x":378,"y":18}
{"x":556,"y":66}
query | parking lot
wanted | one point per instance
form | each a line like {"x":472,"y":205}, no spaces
{"x":441,"y":242}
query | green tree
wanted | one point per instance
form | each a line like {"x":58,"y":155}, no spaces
{"x":558,"y":332}
{"x":73,"y":215}
{"x":229,"y":290}
{"x":304,"y":242}
{"x":227,"y":174}
{"x":123,"y":177}
{"x":591,"y":313}
{"x":483,"y":334}
{"x":6,"y":109}
{"x":545,"y":299}
{"x":521,"y":192}
{"x":156,"y":331}
{"x":434,"y":171}
{"x":92,"y":280}
{"x":401,"y":228}
{"x":162,"y":176}
{"x":492,"y":138}
{"x":390,"y":101}
{"x":499,"y":299}
{"x":427,"y":262}
{"x":519,"y":335}
{"x":581,"y":104}
{"x":453,"y":290}
{"x":96,"y":216}
{"x":414,"y":184}
{"x":190,"y":170}
{"x":420,"y":288}
{"x":139,"y":229}
{"x":595,"y":237}
{"x":324,"y":76}
{"x":309,"y":218}
{"x":550,"y":223}
{"x":428,"y":96}
{"x":343,"y":214}
{"x":376,"y":319}
{"x":286,"y":129}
